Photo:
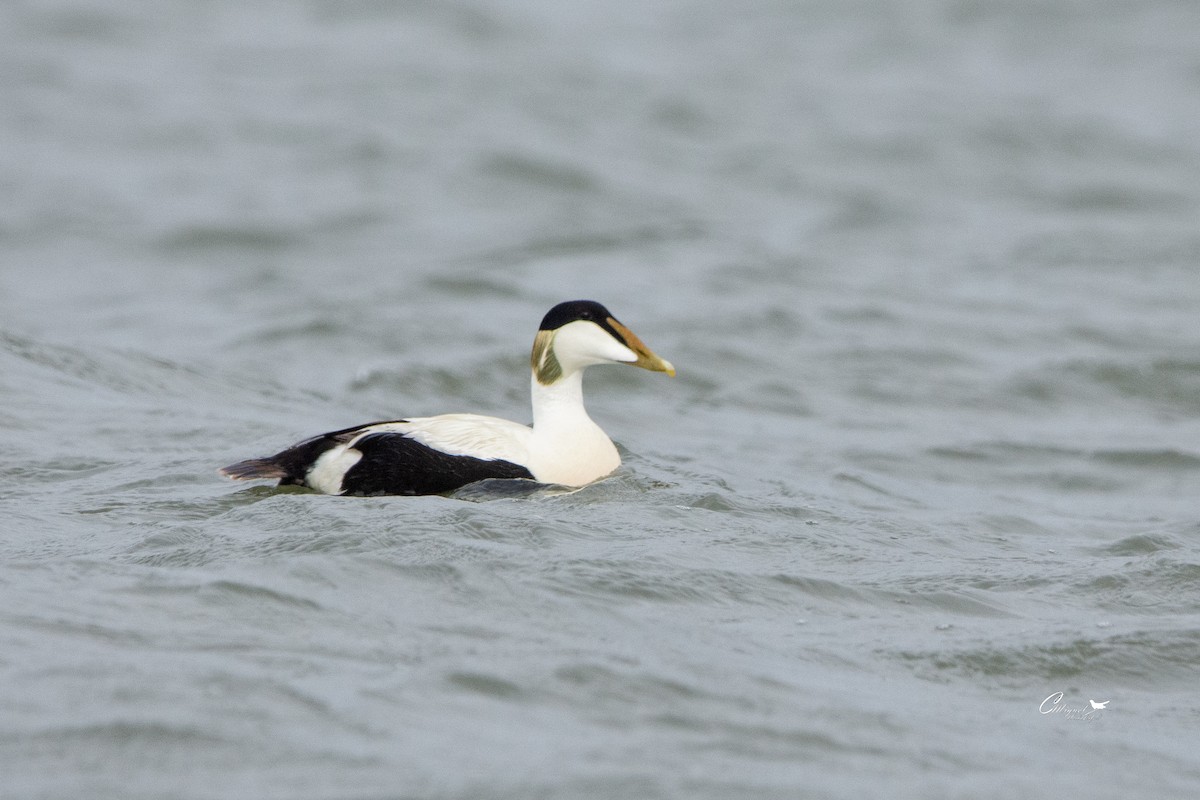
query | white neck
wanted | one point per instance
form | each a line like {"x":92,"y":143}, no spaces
{"x":568,"y":447}
{"x":560,"y":403}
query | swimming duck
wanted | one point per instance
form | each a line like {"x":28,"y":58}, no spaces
{"x":432,"y":455}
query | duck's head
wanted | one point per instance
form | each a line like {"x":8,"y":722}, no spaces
{"x":580,"y":333}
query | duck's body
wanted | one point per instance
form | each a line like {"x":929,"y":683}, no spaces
{"x":431,"y":455}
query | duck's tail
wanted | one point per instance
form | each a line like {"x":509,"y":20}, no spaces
{"x":256,"y":469}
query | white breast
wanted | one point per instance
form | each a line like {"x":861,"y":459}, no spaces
{"x":573,"y":458}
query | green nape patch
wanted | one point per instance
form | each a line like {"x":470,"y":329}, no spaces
{"x":544,"y":362}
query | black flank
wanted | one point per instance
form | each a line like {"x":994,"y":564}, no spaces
{"x":392,"y":463}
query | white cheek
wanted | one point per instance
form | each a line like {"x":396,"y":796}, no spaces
{"x":580,"y":344}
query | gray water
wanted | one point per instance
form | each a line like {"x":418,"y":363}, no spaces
{"x":930,"y":273}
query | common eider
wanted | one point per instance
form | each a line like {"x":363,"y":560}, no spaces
{"x":432,"y":455}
